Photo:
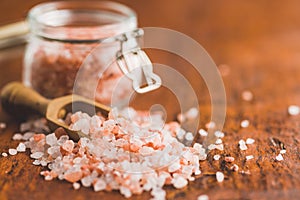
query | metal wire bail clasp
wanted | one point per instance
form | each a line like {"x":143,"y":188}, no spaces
{"x":133,"y":58}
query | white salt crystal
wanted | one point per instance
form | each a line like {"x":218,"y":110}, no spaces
{"x":36,"y":162}
{"x":218,"y":141}
{"x":99,"y":185}
{"x":210,"y":125}
{"x":179,"y":182}
{"x":249,"y":157}
{"x":279,"y":157}
{"x":282,"y":151}
{"x":37,"y":155}
{"x":220,"y":176}
{"x":242,"y":145}
{"x":17,"y":136}
{"x":21,"y":147}
{"x":203,"y":197}
{"x":245,"y":123}
{"x":294,"y":110}
{"x":12,"y":152}
{"x":219,"y":134}
{"x":28,"y":135}
{"x":189,"y":136}
{"x":4,"y":154}
{"x":76,"y":186}
{"x":125,"y":191}
{"x":247,"y":95}
{"x":250,"y":141}
{"x":174,"y":166}
{"x":2,"y":125}
{"x":217,"y":157}
{"x":87,"y":181}
{"x":203,"y":132}
{"x":48,"y":178}
{"x":51,"y":139}
{"x":192,"y":113}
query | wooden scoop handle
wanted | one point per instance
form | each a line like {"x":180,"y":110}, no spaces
{"x":22,"y":101}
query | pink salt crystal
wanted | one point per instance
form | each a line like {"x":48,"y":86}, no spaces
{"x":229,"y":159}
{"x":17,"y":136}
{"x":12,"y":152}
{"x":21,"y":147}
{"x":203,"y":197}
{"x":4,"y":154}
{"x":247,"y":95}
{"x":73,"y":176}
{"x":219,"y":177}
{"x":37,"y":155}
{"x":76,"y":186}
{"x":68,"y":146}
{"x":99,"y":185}
{"x":179,"y":182}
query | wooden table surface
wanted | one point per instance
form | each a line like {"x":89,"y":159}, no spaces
{"x":256,"y":42}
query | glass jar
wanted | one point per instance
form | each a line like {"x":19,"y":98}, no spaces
{"x":77,"y":47}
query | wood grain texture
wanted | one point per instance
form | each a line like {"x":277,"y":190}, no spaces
{"x":258,"y":40}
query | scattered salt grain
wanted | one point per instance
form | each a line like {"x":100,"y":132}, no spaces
{"x":36,"y":162}
{"x":203,"y":132}
{"x":76,"y":186}
{"x":192,"y":113}
{"x":282,"y":151}
{"x":17,"y":136}
{"x":203,"y":197}
{"x":2,"y":126}
{"x":21,"y":147}
{"x":217,"y":157}
{"x":247,"y":95}
{"x":249,"y":157}
{"x":4,"y":154}
{"x":242,"y":145}
{"x":189,"y":136}
{"x":12,"y":152}
{"x":229,"y":159}
{"x":210,"y":125}
{"x":279,"y":157}
{"x":294,"y":110}
{"x":219,"y":134}
{"x":219,"y":177}
{"x":37,"y":155}
{"x":179,"y":182}
{"x":235,"y":167}
{"x":250,"y":141}
{"x":218,"y":141}
{"x":245,"y":123}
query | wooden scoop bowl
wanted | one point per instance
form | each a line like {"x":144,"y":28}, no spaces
{"x":21,"y":102}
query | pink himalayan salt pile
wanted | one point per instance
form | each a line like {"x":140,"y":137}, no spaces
{"x":130,"y":152}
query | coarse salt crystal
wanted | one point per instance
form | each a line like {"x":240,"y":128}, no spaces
{"x":249,"y":157}
{"x":219,"y":177}
{"x":179,"y":182}
{"x":189,"y":136}
{"x":217,"y":157}
{"x":210,"y":125}
{"x":51,"y":139}
{"x":192,"y":113}
{"x":203,"y":197}
{"x":245,"y":123}
{"x":21,"y":147}
{"x":282,"y":151}
{"x":279,"y":157}
{"x":218,"y":141}
{"x":250,"y":141}
{"x":37,"y":155}
{"x":243,"y":145}
{"x":36,"y":162}
{"x":76,"y":186}
{"x":12,"y":152}
{"x":229,"y":159}
{"x":247,"y":95}
{"x":17,"y":136}
{"x":294,"y":110}
{"x":235,"y":167}
{"x":219,"y":134}
{"x":4,"y":154}
{"x":203,"y":132}
{"x":99,"y":185}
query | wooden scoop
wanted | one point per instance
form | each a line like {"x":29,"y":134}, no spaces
{"x":22,"y":101}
